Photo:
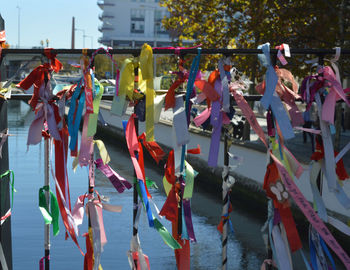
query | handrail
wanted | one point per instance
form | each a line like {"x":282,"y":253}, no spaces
{"x":183,"y":51}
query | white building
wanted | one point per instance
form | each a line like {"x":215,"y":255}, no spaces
{"x":131,"y":23}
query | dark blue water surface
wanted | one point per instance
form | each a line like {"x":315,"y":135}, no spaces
{"x":28,"y":224}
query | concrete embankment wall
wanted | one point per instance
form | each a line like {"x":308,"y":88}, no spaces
{"x":247,"y":191}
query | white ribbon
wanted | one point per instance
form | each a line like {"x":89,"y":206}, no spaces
{"x":3,"y":135}
{"x":342,"y":152}
{"x":281,"y":250}
{"x":3,"y":259}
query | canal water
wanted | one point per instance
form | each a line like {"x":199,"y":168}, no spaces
{"x":245,"y":245}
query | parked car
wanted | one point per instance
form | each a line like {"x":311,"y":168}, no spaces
{"x":109,"y":89}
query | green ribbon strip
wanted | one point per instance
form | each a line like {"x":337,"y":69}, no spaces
{"x":166,"y":236}
{"x":12,"y":183}
{"x":189,"y":179}
{"x":163,"y":232}
{"x":53,"y":216}
{"x":150,"y":183}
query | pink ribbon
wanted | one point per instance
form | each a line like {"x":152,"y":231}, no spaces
{"x":41,"y":262}
{"x":249,"y":114}
{"x":311,"y":130}
{"x":86,"y":145}
{"x":177,"y":49}
{"x":216,"y":122}
{"x":133,"y":146}
{"x":119,"y":182}
{"x":336,"y":93}
{"x":200,"y":119}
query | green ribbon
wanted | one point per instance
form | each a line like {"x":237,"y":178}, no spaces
{"x":150,"y":183}
{"x":189,"y":179}
{"x":53,"y":216}
{"x":163,"y":232}
{"x":12,"y":183}
{"x":166,"y":236}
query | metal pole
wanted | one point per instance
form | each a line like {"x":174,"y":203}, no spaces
{"x":47,"y":196}
{"x":205,"y":51}
{"x":5,"y":228}
{"x":19,"y":26}
{"x":135,"y":195}
{"x":73,"y":33}
{"x":112,"y":75}
{"x":226,"y":203}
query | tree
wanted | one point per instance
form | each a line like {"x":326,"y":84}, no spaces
{"x":246,"y":24}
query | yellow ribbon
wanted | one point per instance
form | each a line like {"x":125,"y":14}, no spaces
{"x":127,"y":75}
{"x":93,"y":117}
{"x":103,"y":151}
{"x":146,"y":86}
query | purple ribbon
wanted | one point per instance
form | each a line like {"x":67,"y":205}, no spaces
{"x":186,"y":207}
{"x":44,"y":111}
{"x":186,"y":204}
{"x":117,"y":181}
{"x":41,"y":262}
{"x":216,"y":122}
{"x":316,"y":82}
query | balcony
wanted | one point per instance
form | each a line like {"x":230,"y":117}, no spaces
{"x":102,"y":3}
{"x":104,"y":27}
{"x":103,"y":16}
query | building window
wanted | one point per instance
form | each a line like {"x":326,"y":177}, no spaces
{"x":137,"y":27}
{"x":137,"y":14}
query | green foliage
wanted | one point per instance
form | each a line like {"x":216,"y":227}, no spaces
{"x":246,"y":24}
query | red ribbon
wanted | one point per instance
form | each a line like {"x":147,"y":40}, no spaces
{"x":153,"y":148}
{"x":271,"y":177}
{"x":170,"y":95}
{"x":319,"y":154}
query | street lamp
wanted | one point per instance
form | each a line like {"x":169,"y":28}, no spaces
{"x":77,"y":29}
{"x":91,"y":38}
{"x":19,"y":26}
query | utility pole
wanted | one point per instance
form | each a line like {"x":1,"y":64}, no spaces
{"x":19,"y":26}
{"x":73,"y":33}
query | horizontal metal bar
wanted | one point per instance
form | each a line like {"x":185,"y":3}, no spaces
{"x":172,"y":51}
{"x":26,"y":97}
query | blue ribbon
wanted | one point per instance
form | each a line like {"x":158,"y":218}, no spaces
{"x":73,"y":124}
{"x":190,"y":84}
{"x":184,"y":234}
{"x":191,"y":79}
{"x":146,"y":203}
{"x":312,"y":253}
{"x":270,"y":97}
{"x":329,"y":255}
{"x":307,"y":264}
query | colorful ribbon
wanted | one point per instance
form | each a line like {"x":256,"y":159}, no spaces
{"x":52,"y":216}
{"x":117,"y":181}
{"x":146,"y":67}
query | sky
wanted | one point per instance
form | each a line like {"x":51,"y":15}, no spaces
{"x":51,"y":19}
